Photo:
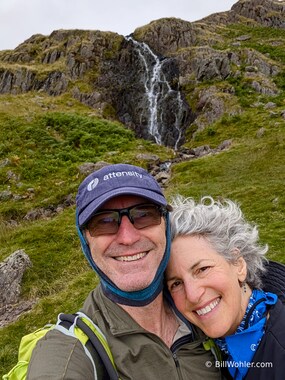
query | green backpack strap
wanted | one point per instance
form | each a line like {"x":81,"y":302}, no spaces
{"x":209,"y":345}
{"x":83,"y":327}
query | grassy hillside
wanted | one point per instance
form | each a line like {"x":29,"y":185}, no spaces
{"x":43,"y":142}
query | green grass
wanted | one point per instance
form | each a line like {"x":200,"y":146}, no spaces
{"x":261,"y":39}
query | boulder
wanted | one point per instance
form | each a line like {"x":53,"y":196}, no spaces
{"x":11,"y":274}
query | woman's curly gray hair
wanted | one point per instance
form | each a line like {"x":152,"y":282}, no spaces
{"x":223,"y":225}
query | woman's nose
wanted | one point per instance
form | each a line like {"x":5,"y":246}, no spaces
{"x":194,"y":291}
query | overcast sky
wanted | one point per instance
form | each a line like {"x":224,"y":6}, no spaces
{"x":20,"y":19}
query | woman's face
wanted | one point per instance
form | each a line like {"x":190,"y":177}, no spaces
{"x":205,"y":287}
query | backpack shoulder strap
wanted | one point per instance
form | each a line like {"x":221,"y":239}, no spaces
{"x":84,"y":329}
{"x":78,"y":326}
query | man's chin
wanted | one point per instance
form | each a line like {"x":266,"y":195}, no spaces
{"x":133,"y":287}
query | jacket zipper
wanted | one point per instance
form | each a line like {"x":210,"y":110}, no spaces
{"x":175,"y":347}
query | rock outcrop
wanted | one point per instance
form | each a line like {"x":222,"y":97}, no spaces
{"x":269,"y":13}
{"x":11,"y":273}
{"x":264,"y":12}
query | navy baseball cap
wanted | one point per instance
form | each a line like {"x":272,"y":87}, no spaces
{"x":114,"y":180}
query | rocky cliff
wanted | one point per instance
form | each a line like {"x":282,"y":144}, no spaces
{"x":150,"y":80}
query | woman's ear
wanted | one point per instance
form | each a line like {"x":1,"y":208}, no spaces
{"x":241,"y":266}
{"x":241,"y":269}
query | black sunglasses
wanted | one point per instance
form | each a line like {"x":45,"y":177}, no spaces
{"x":108,"y":221}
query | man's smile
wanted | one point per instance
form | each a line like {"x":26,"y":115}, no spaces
{"x":137,"y":256}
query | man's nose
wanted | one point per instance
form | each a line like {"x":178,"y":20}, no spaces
{"x":127,"y":233}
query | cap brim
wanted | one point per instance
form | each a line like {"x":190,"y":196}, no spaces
{"x":90,"y":210}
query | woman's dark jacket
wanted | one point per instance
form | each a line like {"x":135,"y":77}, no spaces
{"x":269,"y":359}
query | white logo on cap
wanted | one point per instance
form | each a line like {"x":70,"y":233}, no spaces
{"x":91,"y":185}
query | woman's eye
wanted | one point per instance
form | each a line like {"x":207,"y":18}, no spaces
{"x":174,"y":285}
{"x":202,"y":269}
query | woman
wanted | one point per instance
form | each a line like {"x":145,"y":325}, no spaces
{"x":214,"y":277}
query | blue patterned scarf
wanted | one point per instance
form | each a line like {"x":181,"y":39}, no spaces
{"x":241,"y":346}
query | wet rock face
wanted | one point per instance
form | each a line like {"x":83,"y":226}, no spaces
{"x":146,"y":96}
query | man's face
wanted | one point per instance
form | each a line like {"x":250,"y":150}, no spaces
{"x":130,"y":257}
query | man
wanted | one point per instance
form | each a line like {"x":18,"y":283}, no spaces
{"x":122,"y":221}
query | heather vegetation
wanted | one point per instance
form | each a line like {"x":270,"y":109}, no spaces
{"x":44,"y":140}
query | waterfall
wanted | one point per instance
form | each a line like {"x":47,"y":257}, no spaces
{"x":166,"y":112}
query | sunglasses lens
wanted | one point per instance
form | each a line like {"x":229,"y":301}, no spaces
{"x":104,"y":223}
{"x":145,"y":216}
{"x":141,"y":216}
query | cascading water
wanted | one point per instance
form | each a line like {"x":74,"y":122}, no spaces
{"x":152,"y":73}
{"x":164,"y":113}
